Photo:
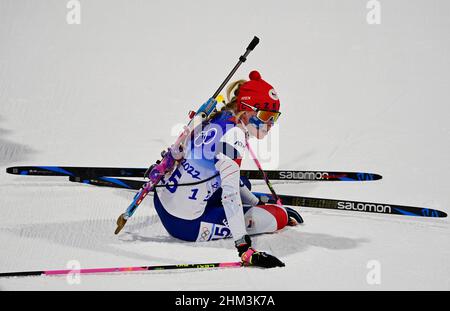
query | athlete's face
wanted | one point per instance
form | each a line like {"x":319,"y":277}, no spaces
{"x":259,"y":132}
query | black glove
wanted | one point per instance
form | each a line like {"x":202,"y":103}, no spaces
{"x":262,"y":259}
{"x":251,"y":257}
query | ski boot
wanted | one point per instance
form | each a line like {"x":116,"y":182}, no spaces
{"x":294,"y":218}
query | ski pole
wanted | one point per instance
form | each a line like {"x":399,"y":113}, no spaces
{"x":266,"y":179}
{"x":122,"y":269}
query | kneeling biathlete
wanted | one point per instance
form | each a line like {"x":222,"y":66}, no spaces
{"x":218,"y":203}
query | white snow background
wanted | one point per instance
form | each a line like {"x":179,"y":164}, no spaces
{"x":107,"y":92}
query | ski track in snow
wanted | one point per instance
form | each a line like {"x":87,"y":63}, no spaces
{"x":106,"y":93}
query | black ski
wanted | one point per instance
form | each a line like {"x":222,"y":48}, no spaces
{"x":357,"y":206}
{"x":93,"y":172}
{"x":370,"y":207}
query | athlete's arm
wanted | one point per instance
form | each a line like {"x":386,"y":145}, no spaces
{"x":247,"y":197}
{"x":228,"y":158}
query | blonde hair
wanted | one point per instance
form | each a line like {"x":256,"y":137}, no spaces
{"x":231,"y":104}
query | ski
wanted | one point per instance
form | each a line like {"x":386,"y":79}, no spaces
{"x":122,"y":269}
{"x":336,"y":204}
{"x":93,"y":172}
{"x":357,"y":206}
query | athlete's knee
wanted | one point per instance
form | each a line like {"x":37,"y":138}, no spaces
{"x":278,"y":212}
{"x":265,"y":218}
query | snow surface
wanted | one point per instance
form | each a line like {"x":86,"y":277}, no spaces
{"x":107,"y":92}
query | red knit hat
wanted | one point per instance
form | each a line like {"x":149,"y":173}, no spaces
{"x":257,"y":93}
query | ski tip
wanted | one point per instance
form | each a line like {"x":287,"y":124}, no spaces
{"x":377,"y":176}
{"x":18,"y":170}
{"x":355,"y":176}
{"x":441,"y":214}
{"x":13,"y":170}
{"x":420,"y":212}
{"x":367,"y":176}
